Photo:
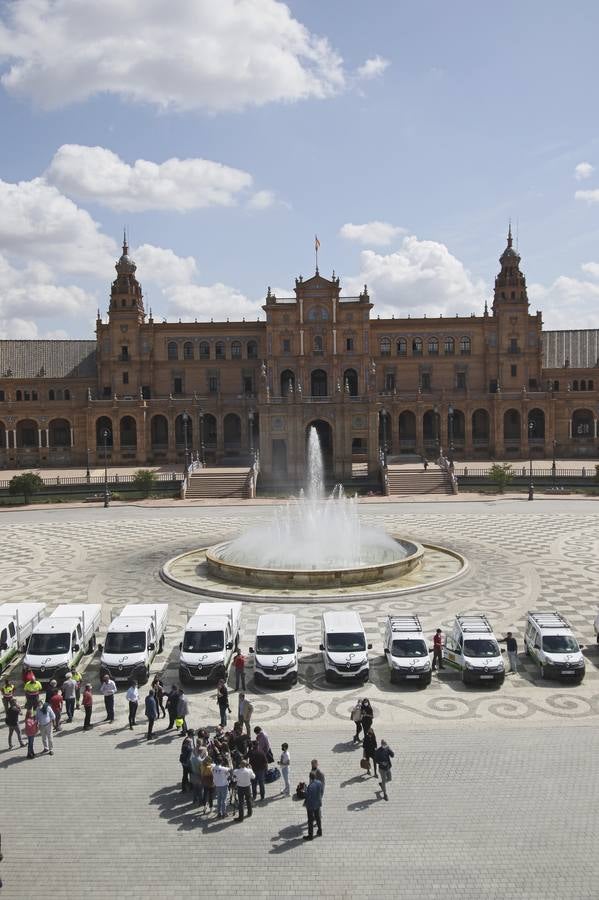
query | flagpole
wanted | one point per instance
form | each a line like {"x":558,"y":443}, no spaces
{"x":316,"y":245}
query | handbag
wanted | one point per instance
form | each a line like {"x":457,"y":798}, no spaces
{"x":272,"y":775}
{"x":269,"y":756}
{"x":364,"y":763}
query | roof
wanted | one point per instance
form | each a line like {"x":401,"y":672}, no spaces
{"x":47,"y":359}
{"x":580,"y":348}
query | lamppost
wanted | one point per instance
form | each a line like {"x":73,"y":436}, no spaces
{"x":384,"y":426}
{"x":553,"y":466}
{"x":185,"y":420}
{"x":105,"y":436}
{"x":531,"y":489}
{"x":437,"y":443}
{"x":251,"y":429}
{"x":202,"y":452}
{"x":87,"y":472}
{"x":450,"y":415}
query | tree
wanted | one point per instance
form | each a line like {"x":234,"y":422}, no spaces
{"x":144,"y":480}
{"x":501,"y":474}
{"x":25,"y":485}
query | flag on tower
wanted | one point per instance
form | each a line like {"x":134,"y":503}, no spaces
{"x":316,"y":243}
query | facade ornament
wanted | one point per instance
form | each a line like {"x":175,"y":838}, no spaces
{"x":338,"y":386}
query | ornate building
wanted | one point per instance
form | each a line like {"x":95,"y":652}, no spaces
{"x":144,"y":392}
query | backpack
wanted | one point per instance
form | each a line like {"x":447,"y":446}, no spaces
{"x":272,"y":775}
{"x":300,"y":791}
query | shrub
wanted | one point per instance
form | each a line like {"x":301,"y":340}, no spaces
{"x":25,"y":485}
{"x":501,"y":474}
{"x":144,"y":480}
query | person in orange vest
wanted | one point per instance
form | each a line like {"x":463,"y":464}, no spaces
{"x":33,"y":690}
{"x":8,"y":692}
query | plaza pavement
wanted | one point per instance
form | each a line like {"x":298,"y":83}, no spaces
{"x":494,"y":793}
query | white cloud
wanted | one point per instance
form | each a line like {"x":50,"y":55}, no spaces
{"x":590,"y":196}
{"x":372,"y":68}
{"x":262,"y":200}
{"x":163,"y":267}
{"x":98,"y":174}
{"x":194,"y":54}
{"x":374,"y":233}
{"x":216,"y":301}
{"x":567,"y":300}
{"x":38,"y":222}
{"x":421,"y":278}
{"x":583,"y":170}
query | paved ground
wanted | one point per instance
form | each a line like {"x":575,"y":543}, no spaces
{"x":495,"y":792}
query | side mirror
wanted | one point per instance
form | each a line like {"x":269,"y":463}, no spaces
{"x":251,"y":650}
{"x":369,"y":646}
{"x":386,"y":651}
{"x":503,"y":649}
{"x":230,"y":645}
{"x":101,"y":648}
{"x":299,"y":649}
{"x":180,"y":645}
{"x":3,"y":646}
{"x":151,"y":646}
{"x":581,"y":646}
{"x":76,"y":648}
{"x":321,"y":646}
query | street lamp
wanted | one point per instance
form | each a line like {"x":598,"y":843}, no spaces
{"x":185,"y":420}
{"x":105,"y":436}
{"x":553,"y":466}
{"x":87,"y":472}
{"x":450,"y":414}
{"x":251,"y":424}
{"x":384,"y":424}
{"x":531,"y":489}
{"x":202,"y":451}
{"x":437,"y":442}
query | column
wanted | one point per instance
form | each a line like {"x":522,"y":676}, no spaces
{"x":72,"y":435}
{"x":6,"y":437}
{"x":443,"y":430}
{"x":172,"y":450}
{"x":468,"y":448}
{"x":39,"y":437}
{"x":47,"y":436}
{"x":419,"y":430}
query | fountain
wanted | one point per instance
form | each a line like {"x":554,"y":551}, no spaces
{"x":315,"y":541}
{"x":315,"y":546}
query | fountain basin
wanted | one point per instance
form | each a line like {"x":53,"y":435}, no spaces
{"x":261,"y":577}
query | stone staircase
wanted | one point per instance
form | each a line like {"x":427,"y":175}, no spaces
{"x":221,"y":483}
{"x":405,"y":480}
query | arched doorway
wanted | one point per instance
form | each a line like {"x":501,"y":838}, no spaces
{"x":128,"y":432}
{"x":287,"y":382}
{"x":59,"y":433}
{"x":480,"y":428}
{"x":350,"y":382}
{"x":159,"y":433}
{"x":325,"y":437}
{"x":536,"y":418}
{"x":184,"y":432}
{"x":511,"y":427}
{"x":232,"y":432}
{"x":407,"y":431}
{"x":431,"y":431}
{"x":582,"y":425}
{"x":318,"y":383}
{"x":27,"y":434}
{"x":103,"y":424}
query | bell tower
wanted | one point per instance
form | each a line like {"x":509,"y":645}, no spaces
{"x":510,"y":283}
{"x":126,"y":297}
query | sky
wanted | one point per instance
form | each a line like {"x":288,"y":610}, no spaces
{"x":225,"y":134}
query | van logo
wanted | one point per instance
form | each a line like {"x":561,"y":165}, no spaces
{"x":199,"y":667}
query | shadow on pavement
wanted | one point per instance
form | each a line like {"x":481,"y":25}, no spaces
{"x":291,"y":837}
{"x":360,"y":805}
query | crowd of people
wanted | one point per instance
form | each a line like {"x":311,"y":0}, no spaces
{"x":225,"y":769}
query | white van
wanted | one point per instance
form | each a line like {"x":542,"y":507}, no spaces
{"x":133,"y":639}
{"x":17,"y":621}
{"x":58,"y":642}
{"x":406,"y":650}
{"x":210,"y":638}
{"x":472,"y":649}
{"x":344,"y":648}
{"x":275,"y":654}
{"x":549,"y":640}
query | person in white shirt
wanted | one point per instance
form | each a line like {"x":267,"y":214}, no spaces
{"x":243,"y":777}
{"x":132,"y":696}
{"x":284,"y":763}
{"x":45,"y":718}
{"x":220,"y":775}
{"x":108,"y":690}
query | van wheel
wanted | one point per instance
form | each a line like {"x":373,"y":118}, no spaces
{"x":144,"y":676}
{"x":327,"y":675}
{"x":161,"y":644}
{"x":426,"y":681}
{"x":366,"y":677}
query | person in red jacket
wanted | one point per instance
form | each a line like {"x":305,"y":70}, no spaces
{"x":56,"y":701}
{"x":88,"y":702}
{"x":239,"y":666}
{"x":438,"y":649}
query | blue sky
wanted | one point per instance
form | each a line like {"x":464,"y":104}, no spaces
{"x":225,"y":134}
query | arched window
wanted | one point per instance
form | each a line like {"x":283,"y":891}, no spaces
{"x":19,"y":395}
{"x":556,"y":385}
{"x":34,"y":395}
{"x":159,"y":432}
{"x":172,"y":350}
{"x":318,"y":343}
{"x":465,"y":346}
{"x":67,"y":394}
{"x":287,"y":382}
{"x":128,"y":432}
{"x":350,"y":382}
{"x":252,"y":350}
{"x":402,"y":347}
{"x":59,"y":394}
{"x":59,"y":433}
{"x":591,"y":386}
{"x":449,"y":346}
{"x":318,"y":383}
{"x":583,"y":385}
{"x":51,"y":394}
{"x":204,"y":350}
{"x":433,"y":346}
{"x":317,"y":314}
{"x":385,"y":346}
{"x":187,"y":350}
{"x":103,"y":428}
{"x":220,"y":350}
{"x":236,"y":350}
{"x":417,"y":347}
{"x":575,"y":384}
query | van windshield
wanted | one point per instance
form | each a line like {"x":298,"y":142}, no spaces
{"x":40,"y":644}
{"x":203,"y":641}
{"x":481,"y":649}
{"x":560,"y":643}
{"x":346,"y":643}
{"x":275,"y":643}
{"x":409,"y":647}
{"x":125,"y":642}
